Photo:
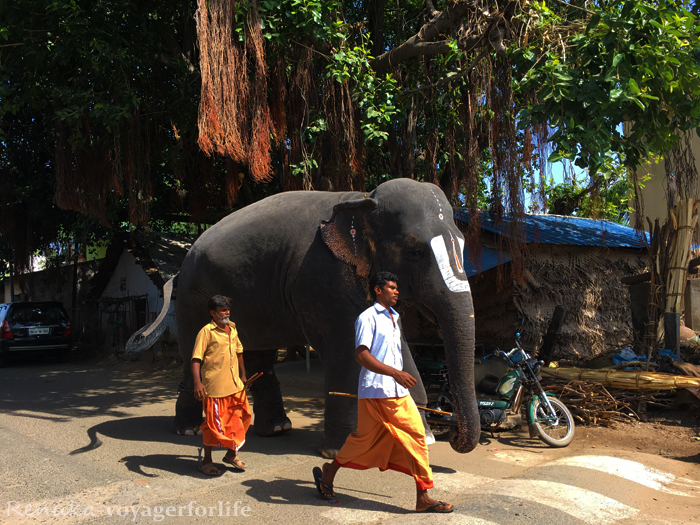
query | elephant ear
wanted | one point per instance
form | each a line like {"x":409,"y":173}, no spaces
{"x":348,"y":235}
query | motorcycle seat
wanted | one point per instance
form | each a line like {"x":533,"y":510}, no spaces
{"x":488,"y":374}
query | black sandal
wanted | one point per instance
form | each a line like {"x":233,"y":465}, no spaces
{"x":318,"y":479}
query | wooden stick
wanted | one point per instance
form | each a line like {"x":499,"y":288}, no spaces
{"x":432,"y":410}
{"x":251,"y":379}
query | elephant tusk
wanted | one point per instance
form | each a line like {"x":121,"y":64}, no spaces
{"x":454,"y":284}
{"x":442,"y":413}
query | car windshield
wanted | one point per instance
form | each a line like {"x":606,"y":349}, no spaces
{"x":38,"y":314}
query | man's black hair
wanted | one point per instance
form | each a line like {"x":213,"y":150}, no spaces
{"x":219,"y":301}
{"x":380,"y":279}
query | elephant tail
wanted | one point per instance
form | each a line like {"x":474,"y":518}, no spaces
{"x":146,"y":336}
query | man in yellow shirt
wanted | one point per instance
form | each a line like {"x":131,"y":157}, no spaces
{"x":219,"y":382}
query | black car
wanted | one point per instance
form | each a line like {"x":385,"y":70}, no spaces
{"x":32,"y":327}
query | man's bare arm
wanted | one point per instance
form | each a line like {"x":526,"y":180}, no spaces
{"x":241,"y":368}
{"x":199,"y":391}
{"x":371,"y":363}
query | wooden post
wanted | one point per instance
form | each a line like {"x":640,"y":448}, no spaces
{"x":550,"y":338}
{"x":672,"y":332}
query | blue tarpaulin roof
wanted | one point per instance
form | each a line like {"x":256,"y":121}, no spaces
{"x":557,"y":229}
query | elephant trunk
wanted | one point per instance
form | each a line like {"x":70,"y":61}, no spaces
{"x":455,"y":314}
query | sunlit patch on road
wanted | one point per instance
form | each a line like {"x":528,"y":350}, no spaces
{"x":632,"y":471}
{"x":582,"y":504}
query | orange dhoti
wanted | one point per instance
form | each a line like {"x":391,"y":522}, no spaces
{"x":226,"y":420}
{"x":390,"y":435}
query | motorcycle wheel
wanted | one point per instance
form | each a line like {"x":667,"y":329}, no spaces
{"x":439,"y":401}
{"x":555,"y":436}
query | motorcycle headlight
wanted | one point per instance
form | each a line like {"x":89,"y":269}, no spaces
{"x":536,"y":365}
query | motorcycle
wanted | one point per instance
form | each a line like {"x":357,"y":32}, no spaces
{"x":506,"y":384}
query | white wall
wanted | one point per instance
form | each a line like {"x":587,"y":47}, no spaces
{"x":654,"y":191}
{"x":138,"y":283}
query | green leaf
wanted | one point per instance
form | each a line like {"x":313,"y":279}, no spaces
{"x":593,"y":22}
{"x":556,"y":156}
{"x":638,"y":102}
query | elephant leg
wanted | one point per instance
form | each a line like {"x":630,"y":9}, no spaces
{"x":341,"y":373}
{"x":295,"y":352}
{"x":270,"y":417}
{"x":188,"y":410}
{"x":418,"y":391}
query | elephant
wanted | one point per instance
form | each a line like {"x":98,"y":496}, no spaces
{"x":296,"y":267}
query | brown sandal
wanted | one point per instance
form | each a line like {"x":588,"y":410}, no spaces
{"x":236,"y":463}
{"x":209,"y":469}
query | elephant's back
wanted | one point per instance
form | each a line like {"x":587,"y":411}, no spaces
{"x":285,"y":217}
{"x":261,"y":240}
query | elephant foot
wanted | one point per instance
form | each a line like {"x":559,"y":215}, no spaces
{"x":272,"y":428}
{"x":329,"y":447}
{"x":188,"y":415}
{"x":328,"y":453}
{"x":188,"y":431}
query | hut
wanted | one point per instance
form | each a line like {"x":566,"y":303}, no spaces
{"x":575,"y":263}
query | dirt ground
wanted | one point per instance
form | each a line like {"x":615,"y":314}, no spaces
{"x":670,"y":433}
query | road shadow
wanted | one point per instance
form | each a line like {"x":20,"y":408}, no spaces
{"x":154,"y":429}
{"x":512,"y":439}
{"x":298,"y":441}
{"x":159,"y":429}
{"x":688,"y":459}
{"x":60,"y":392}
{"x":284,"y":491}
{"x":180,"y":465}
{"x":442,"y":470}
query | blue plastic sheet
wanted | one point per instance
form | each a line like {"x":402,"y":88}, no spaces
{"x":627,"y":356}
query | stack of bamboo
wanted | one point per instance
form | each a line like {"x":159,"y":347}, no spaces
{"x":685,"y":218}
{"x":593,"y":404}
{"x":625,"y":379}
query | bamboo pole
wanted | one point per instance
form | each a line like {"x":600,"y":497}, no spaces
{"x":431,"y":410}
{"x":685,"y":219}
{"x":251,"y":379}
{"x":625,"y":379}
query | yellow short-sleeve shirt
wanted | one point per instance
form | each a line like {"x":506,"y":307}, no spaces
{"x":218,"y":352}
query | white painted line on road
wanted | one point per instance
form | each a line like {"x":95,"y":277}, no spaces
{"x":632,"y":471}
{"x":522,"y":458}
{"x":582,"y":504}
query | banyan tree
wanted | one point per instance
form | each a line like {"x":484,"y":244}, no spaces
{"x":209,"y":104}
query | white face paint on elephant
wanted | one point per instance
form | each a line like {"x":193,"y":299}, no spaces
{"x":454,"y":284}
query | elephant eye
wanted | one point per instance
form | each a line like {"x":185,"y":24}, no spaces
{"x":414,"y":254}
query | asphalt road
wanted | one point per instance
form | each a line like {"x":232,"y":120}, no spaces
{"x":88,"y":444}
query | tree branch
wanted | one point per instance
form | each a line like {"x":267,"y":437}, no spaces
{"x":172,"y":45}
{"x":444,"y":21}
{"x":446,"y":80}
